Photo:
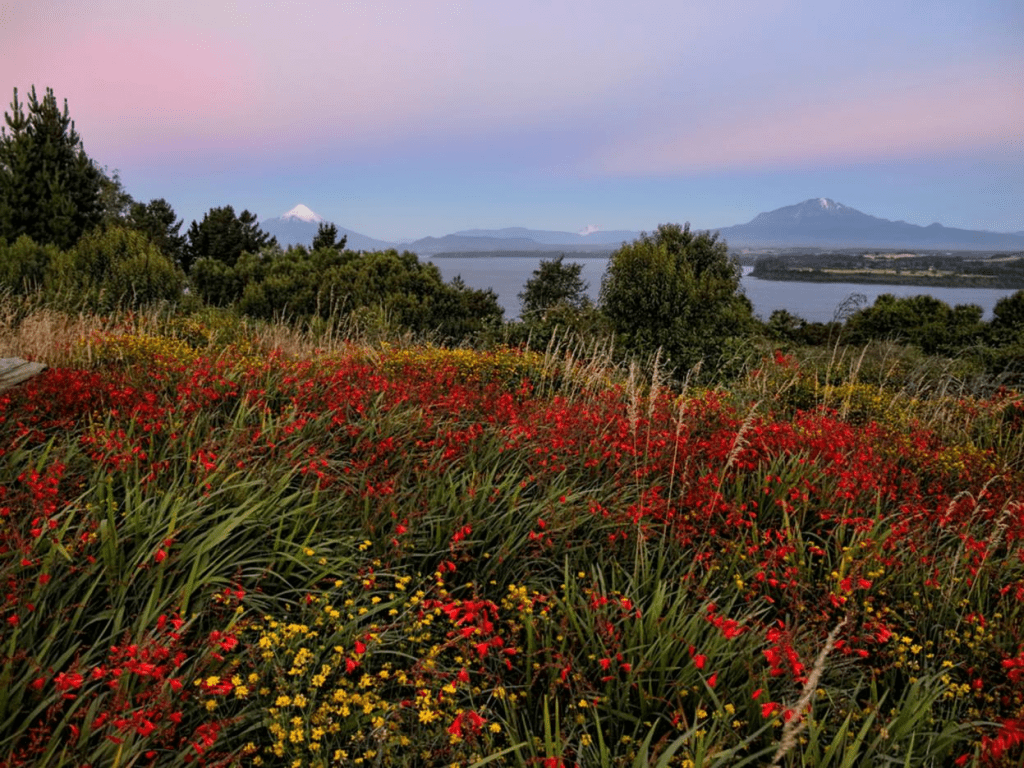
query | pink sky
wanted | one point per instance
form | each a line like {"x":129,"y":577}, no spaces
{"x":545,"y":91}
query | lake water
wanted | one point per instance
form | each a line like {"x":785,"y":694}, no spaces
{"x":816,"y":302}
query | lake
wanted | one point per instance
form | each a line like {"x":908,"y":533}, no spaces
{"x":816,"y":302}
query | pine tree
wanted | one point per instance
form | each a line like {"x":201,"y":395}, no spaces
{"x":157,"y":220}
{"x":49,"y":188}
{"x":223,"y":236}
{"x":327,"y":237}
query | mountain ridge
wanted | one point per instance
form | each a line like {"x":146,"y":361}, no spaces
{"x":817,"y":222}
{"x":823,"y":223}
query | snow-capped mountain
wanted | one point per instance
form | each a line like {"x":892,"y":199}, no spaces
{"x":824,"y":223}
{"x":302,"y":213}
{"x":299,"y":226}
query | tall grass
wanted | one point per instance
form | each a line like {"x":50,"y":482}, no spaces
{"x":249,"y":545}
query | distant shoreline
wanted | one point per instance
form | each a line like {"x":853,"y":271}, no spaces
{"x":1003,"y":282}
{"x":521,"y":254}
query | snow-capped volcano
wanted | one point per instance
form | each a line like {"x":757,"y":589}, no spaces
{"x":823,"y":223}
{"x":300,"y":225}
{"x":302,"y":213}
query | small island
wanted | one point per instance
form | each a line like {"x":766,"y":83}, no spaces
{"x":926,"y":268}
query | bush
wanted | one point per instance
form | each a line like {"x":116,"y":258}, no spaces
{"x":679,"y":291}
{"x":23,"y":265}
{"x":114,"y":267}
{"x":299,"y":285}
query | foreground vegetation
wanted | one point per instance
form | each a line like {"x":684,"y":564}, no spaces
{"x":225,"y":541}
{"x":230,"y":545}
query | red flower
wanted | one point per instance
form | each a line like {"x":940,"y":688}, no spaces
{"x":66,"y":681}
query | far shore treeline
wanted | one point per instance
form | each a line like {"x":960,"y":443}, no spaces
{"x":72,"y":237}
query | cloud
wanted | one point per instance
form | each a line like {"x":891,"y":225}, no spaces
{"x":162,"y":87}
{"x":950,"y":113}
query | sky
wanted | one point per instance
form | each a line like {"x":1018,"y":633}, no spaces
{"x":400,"y":119}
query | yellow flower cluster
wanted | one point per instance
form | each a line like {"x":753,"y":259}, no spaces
{"x":374,"y":670}
{"x":502,"y":365}
{"x":138,"y":349}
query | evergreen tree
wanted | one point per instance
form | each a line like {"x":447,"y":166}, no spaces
{"x":327,"y":237}
{"x":157,"y":221}
{"x":223,"y":236}
{"x":49,"y":188}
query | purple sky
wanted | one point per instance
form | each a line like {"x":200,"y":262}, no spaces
{"x":404,"y":119}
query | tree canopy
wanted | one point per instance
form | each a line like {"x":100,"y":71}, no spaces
{"x":553,"y":283}
{"x":157,"y":221}
{"x":223,"y":236}
{"x":678,"y":291}
{"x":327,"y":237}
{"x":921,"y":320}
{"x":49,"y":188}
{"x":114,"y":267}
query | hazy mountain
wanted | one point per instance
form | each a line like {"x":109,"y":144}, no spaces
{"x":819,"y":222}
{"x":428,"y":246}
{"x":299,"y":226}
{"x":588,"y":237}
{"x":824,"y":223}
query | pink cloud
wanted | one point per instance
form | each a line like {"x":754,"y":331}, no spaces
{"x":948,"y":115}
{"x":134,"y":88}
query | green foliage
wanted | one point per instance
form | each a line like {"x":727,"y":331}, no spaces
{"x":158,"y":222}
{"x":924,"y":321}
{"x":1007,"y":324}
{"x":23,"y":265}
{"x":678,"y":291}
{"x":114,"y":267}
{"x":786,"y":328}
{"x":115,"y":201}
{"x":215,"y":282}
{"x":49,"y":188}
{"x":299,"y":285}
{"x":223,"y":236}
{"x":327,"y":237}
{"x":553,"y":283}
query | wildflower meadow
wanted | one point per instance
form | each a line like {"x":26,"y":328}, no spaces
{"x":217,"y":550}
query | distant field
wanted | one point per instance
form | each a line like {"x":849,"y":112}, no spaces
{"x":953,"y":271}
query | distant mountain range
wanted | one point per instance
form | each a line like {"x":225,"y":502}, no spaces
{"x":818,"y":223}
